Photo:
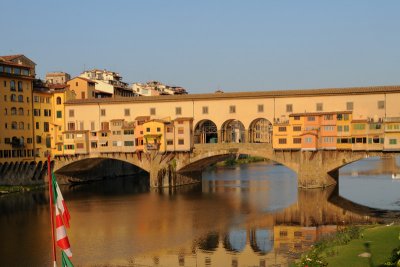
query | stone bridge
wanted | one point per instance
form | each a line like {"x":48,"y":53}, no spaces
{"x":314,"y":169}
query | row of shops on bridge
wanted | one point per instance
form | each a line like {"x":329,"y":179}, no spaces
{"x":301,"y":131}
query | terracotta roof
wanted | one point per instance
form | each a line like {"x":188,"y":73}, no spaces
{"x":142,"y":118}
{"x":248,"y":95}
{"x":11,"y":57}
{"x":319,"y":113}
{"x":184,"y":119}
{"x":57,"y":86}
{"x":85,"y":79}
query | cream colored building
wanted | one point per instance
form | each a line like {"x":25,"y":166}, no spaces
{"x":16,"y":135}
{"x":108,"y":82}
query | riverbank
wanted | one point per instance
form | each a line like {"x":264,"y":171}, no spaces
{"x":9,"y":189}
{"x":356,"y":246}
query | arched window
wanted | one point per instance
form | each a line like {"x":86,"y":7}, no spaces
{"x":14,"y":125}
{"x":13,"y":111}
{"x":21,"y":125}
{"x":19,"y":86}
{"x":12,"y":85}
{"x":20,"y":98}
{"x":20,"y":111}
{"x":13,"y":98}
{"x":58,"y":100}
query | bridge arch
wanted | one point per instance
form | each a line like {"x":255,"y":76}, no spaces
{"x":205,"y":132}
{"x":233,"y":131}
{"x":260,"y":131}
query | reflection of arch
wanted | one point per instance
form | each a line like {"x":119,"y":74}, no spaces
{"x":235,"y":240}
{"x":233,"y":131}
{"x":260,"y":131}
{"x":261,"y":240}
{"x":210,"y":242}
{"x":205,"y":132}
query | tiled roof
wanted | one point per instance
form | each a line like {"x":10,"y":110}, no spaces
{"x":11,"y":57}
{"x":249,"y":95}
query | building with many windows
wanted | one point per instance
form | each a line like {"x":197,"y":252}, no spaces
{"x":108,"y":82}
{"x":58,"y":77}
{"x":16,"y":140}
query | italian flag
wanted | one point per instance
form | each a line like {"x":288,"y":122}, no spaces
{"x":59,"y":201}
{"x":61,"y":235}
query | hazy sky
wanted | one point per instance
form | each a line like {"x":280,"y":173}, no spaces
{"x":206,"y":45}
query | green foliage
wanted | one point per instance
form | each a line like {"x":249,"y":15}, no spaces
{"x":394,"y":259}
{"x":312,"y":259}
{"x":230,"y":162}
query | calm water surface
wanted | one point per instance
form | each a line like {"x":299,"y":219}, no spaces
{"x":249,"y":215}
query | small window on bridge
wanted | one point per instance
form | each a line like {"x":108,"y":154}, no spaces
{"x":260,"y":108}
{"x":289,"y":107}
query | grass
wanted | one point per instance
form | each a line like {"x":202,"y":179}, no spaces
{"x":7,"y":189}
{"x":379,"y":241}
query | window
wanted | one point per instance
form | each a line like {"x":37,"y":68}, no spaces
{"x":127,"y":112}
{"x":147,"y":130}
{"x":282,"y":141}
{"x":17,"y":71}
{"x":59,"y":114}
{"x":13,"y":98}
{"x":105,"y":126}
{"x":5,"y":111}
{"x":83,"y":96}
{"x":181,"y":141}
{"x":297,"y":140}
{"x":21,"y":98}
{"x":178,"y":111}
{"x":71,"y":113}
{"x":296,"y":128}
{"x":80,"y":145}
{"x":153,"y":111}
{"x":59,"y":147}
{"x":282,"y":129}
{"x":289,"y":107}
{"x":346,"y":117}
{"x":128,"y":132}
{"x":381,"y":104}
{"x":328,"y":117}
{"x":392,"y":141}
{"x":260,"y":108}
{"x":93,"y":144}
{"x":310,"y":118}
{"x":20,"y":111}
{"x":181,"y":130}
{"x":38,"y":139}
{"x":71,"y":126}
{"x":115,"y":143}
{"x":37,"y":125}
{"x":58,"y":100}
{"x":19,"y":86}
{"x":328,"y":139}
{"x":21,"y":125}
{"x":14,"y":125}
{"x":69,"y":147}
{"x":296,"y":118}
{"x":81,"y":126}
{"x":359,"y":126}
{"x":46,"y":127}
{"x":283,"y":233}
{"x":349,"y":106}
{"x":158,"y":129}
{"x":170,"y":142}
{"x":12,"y":85}
{"x":308,"y":140}
{"x":169,"y":129}
{"x":13,"y":111}
{"x":103,"y":112}
{"x":232,"y":109}
{"x":320,"y":107}
{"x":205,"y":110}
{"x":128,"y":143}
{"x":5,"y":98}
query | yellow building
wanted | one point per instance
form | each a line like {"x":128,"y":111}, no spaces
{"x":392,"y":134}
{"x":16,"y":139}
{"x":61,"y":94}
{"x":288,"y":134}
{"x":154,"y":135}
{"x":343,"y":127}
{"x":82,"y":87}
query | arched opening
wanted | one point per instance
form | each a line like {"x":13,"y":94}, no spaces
{"x":233,"y":131}
{"x":260,"y":131}
{"x":235,"y":240}
{"x":205,"y":132}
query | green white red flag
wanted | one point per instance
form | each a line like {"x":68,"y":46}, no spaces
{"x":59,"y":201}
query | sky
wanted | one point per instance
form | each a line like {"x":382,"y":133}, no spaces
{"x":208,"y":45}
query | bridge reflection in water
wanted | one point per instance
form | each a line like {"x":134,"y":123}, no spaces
{"x":250,"y":215}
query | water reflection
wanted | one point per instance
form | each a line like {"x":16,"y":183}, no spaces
{"x":253,"y":215}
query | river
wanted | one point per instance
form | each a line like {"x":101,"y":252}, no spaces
{"x":247,"y":215}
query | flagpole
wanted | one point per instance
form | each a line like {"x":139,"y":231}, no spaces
{"x":51,"y":209}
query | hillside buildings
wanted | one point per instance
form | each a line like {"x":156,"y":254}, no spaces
{"x":108,"y":82}
{"x":155,"y":88}
{"x":57,"y":77}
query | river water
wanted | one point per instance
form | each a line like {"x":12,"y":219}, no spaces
{"x":247,"y":215}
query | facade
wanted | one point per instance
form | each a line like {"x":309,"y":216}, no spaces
{"x":83,"y":88}
{"x":155,"y":88}
{"x":392,"y":134}
{"x":108,"y":83}
{"x":16,"y":80}
{"x":57,"y":77}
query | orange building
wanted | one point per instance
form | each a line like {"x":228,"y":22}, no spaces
{"x":83,"y":88}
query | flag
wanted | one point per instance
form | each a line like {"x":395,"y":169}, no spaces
{"x":65,"y":261}
{"x":61,"y":235}
{"x":59,"y":201}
